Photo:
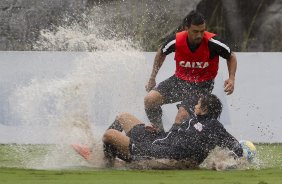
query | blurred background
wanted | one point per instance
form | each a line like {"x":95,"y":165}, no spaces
{"x":252,"y":25}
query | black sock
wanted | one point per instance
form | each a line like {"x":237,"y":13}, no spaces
{"x":155,"y":116}
{"x":116,"y":125}
{"x":109,"y":151}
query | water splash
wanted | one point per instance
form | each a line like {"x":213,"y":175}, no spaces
{"x":81,"y":105}
{"x":96,"y":30}
{"x":221,"y":159}
{"x":108,"y":79}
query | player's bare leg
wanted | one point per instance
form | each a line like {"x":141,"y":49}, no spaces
{"x":115,"y":144}
{"x":153,"y":102}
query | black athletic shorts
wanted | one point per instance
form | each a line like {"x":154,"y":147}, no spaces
{"x":141,"y":141}
{"x":139,"y":134}
{"x":174,"y":90}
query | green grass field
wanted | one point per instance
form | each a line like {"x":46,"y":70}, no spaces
{"x":14,"y":169}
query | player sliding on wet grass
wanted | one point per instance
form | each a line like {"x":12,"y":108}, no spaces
{"x":192,"y":140}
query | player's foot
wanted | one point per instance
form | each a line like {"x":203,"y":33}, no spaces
{"x":84,"y":151}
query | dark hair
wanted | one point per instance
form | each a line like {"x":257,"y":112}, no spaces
{"x":213,"y":105}
{"x":195,"y":18}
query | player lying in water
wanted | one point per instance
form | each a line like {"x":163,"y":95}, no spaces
{"x":190,"y":141}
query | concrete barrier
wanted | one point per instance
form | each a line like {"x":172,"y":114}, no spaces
{"x":253,"y":111}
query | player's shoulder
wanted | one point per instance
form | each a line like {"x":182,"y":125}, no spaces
{"x":169,"y":44}
{"x":218,"y":47}
{"x":169,"y":39}
{"x":216,"y":40}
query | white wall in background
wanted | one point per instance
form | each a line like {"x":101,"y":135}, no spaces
{"x":253,"y":111}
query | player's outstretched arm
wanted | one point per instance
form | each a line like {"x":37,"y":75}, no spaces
{"x":158,"y":62}
{"x":232,"y":67}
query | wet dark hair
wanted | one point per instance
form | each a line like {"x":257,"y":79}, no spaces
{"x":212,"y":104}
{"x":195,"y":18}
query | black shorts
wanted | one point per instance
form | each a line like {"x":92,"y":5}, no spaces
{"x":141,"y":141}
{"x":139,"y":134}
{"x":174,"y":90}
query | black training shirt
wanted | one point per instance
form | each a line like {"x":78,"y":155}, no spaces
{"x":193,"y":139}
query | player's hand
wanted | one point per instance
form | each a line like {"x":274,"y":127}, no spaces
{"x":151,"y":84}
{"x":229,"y":86}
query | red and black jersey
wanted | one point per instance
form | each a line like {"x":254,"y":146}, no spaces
{"x":194,"y":66}
{"x":200,"y":64}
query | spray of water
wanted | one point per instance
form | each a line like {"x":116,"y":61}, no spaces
{"x":221,"y":159}
{"x":108,"y":80}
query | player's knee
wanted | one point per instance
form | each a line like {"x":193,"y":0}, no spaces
{"x":183,"y":111}
{"x":109,"y":136}
{"x":122,"y":116}
{"x":182,"y":114}
{"x":152,"y":99}
{"x":148,"y":101}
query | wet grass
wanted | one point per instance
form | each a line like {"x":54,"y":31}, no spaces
{"x":14,"y":157}
{"x":24,"y":176}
